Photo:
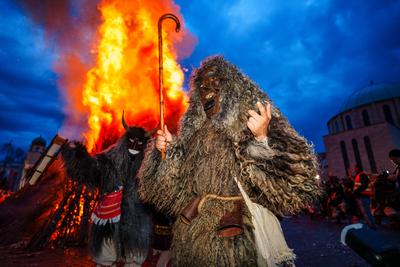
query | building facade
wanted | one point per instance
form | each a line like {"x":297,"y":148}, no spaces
{"x":364,"y":131}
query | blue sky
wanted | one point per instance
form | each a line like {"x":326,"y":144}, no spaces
{"x":309,"y":56}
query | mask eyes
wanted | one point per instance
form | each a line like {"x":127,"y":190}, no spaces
{"x":135,"y":146}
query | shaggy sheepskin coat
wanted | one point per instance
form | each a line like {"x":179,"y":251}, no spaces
{"x":207,"y":154}
{"x":107,"y":171}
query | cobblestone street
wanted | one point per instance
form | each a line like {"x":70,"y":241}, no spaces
{"x":315,"y":241}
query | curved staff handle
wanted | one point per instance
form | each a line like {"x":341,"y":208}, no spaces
{"x":160,"y":66}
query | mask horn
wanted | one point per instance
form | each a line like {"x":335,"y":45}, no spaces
{"x":124,"y":122}
{"x":150,"y":133}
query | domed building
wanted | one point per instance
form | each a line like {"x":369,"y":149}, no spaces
{"x":366,"y":128}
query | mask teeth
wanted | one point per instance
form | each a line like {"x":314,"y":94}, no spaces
{"x":133,"y":151}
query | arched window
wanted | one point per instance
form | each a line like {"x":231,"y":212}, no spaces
{"x":388,"y":114}
{"x":344,"y":156}
{"x":365,"y":117}
{"x":348,"y":122}
{"x":370,"y":153}
{"x":356,"y":152}
{"x":336,"y":126}
{"x":330,"y":128}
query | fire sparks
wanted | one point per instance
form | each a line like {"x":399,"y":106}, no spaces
{"x":126,"y":73}
{"x":124,"y":77}
{"x":69,"y":217}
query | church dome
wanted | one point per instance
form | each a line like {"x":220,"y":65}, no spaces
{"x":370,"y":94}
{"x":39,"y":141}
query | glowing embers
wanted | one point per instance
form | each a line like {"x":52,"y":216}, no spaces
{"x":69,"y":220}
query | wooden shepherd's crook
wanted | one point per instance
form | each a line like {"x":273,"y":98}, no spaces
{"x":160,"y":66}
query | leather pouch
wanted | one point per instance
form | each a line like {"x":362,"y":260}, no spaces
{"x":231,"y":224}
{"x":190,"y":211}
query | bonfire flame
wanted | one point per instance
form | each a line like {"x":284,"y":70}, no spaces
{"x":126,"y":74}
{"x":124,"y":78}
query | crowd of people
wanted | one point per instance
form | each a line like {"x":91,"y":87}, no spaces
{"x":364,"y":197}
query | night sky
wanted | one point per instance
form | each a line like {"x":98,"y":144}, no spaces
{"x":309,"y":56}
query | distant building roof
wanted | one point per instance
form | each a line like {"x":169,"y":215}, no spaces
{"x":39,"y":141}
{"x":370,"y":94}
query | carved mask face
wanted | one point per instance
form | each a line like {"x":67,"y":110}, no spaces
{"x":137,"y":138}
{"x":137,"y":141}
{"x":210,"y":91}
{"x":135,"y":146}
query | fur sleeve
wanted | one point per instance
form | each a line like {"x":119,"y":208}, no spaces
{"x":282,"y":173}
{"x":160,"y":181}
{"x":83,"y":168}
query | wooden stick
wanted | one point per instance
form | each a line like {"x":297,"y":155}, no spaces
{"x":160,"y":66}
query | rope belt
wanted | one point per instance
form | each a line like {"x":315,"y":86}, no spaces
{"x":193,"y":208}
{"x":213,"y":196}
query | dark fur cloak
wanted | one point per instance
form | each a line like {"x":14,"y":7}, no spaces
{"x":206,"y":155}
{"x":107,"y":171}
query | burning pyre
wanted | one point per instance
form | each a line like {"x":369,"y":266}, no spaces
{"x":124,"y":77}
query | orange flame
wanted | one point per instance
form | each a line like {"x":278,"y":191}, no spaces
{"x":126,"y":73}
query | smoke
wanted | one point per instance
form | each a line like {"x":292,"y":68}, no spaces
{"x":70,"y":30}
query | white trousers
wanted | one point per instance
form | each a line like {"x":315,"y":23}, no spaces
{"x":108,"y":256}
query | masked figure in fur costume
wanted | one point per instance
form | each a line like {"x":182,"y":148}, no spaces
{"x":222,"y":138}
{"x":121,"y":222}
